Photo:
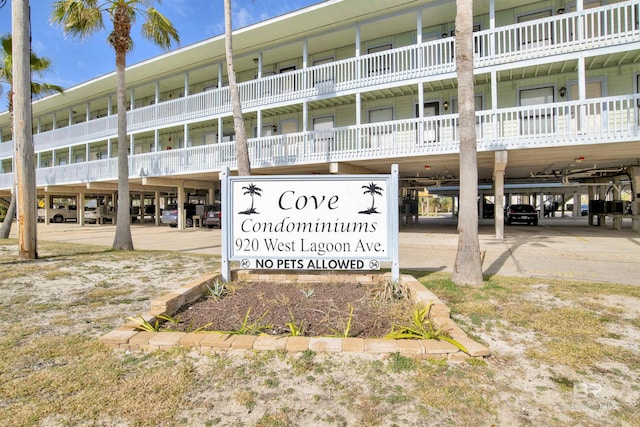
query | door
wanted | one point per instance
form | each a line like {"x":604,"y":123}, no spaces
{"x":539,"y":118}
{"x":322,"y":140}
{"x":586,"y":118}
{"x":289,"y":142}
{"x":380,"y":136}
{"x":431,"y":111}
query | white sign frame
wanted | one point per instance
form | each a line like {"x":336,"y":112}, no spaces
{"x":310,"y":222}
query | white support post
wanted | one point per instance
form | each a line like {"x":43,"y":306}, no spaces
{"x":180,"y":208}
{"x":500,"y":164}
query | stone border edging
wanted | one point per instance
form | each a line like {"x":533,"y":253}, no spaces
{"x":130,"y":337}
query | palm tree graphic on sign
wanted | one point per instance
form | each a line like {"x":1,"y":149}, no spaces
{"x":253,"y":191}
{"x":374,"y":190}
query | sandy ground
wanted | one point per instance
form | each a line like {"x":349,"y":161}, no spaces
{"x":93,"y":296}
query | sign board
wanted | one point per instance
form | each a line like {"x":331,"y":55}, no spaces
{"x":310,"y":222}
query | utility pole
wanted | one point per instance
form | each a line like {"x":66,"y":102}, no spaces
{"x":22,"y":134}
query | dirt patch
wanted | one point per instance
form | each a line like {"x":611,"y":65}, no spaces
{"x":313,"y":309}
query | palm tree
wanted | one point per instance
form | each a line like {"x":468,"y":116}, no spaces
{"x":242,"y":149}
{"x":467,"y":269}
{"x":39,"y":66}
{"x":82,"y":18}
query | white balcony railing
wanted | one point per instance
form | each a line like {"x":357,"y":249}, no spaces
{"x":603,"y":120}
{"x":610,"y":25}
{"x":594,"y":28}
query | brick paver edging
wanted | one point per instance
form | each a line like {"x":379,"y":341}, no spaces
{"x":130,"y":337}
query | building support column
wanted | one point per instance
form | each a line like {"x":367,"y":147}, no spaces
{"x":180,"y":208}
{"x":420,"y":137}
{"x":634,"y":174}
{"x":592,"y":196}
{"x":47,"y":205}
{"x":80,"y":209}
{"x":141,"y":211}
{"x":577,"y":205}
{"x":156,"y":210}
{"x":499,"y":166}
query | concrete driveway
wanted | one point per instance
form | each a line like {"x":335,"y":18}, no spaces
{"x":558,"y":247}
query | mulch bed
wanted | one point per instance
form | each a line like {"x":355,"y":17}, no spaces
{"x":323,"y":311}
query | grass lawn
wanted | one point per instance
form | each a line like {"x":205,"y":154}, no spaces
{"x":564,"y":353}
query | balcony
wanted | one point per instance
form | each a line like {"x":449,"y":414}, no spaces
{"x":567,"y":35}
{"x":597,"y":121}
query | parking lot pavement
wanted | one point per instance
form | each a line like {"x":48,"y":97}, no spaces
{"x":558,"y":247}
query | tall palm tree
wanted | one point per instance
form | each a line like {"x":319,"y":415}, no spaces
{"x":242,"y":149}
{"x":82,"y":18}
{"x":39,"y":66}
{"x":467,"y":269}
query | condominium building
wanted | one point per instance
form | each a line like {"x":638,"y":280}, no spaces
{"x":352,"y":86}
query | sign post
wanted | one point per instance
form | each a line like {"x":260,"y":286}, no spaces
{"x":310,"y":222}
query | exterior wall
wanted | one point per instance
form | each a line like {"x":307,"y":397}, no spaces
{"x":399,"y":95}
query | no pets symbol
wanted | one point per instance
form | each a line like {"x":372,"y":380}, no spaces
{"x":245,"y":263}
{"x":374,"y":264}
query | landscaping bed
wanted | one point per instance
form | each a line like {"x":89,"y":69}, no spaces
{"x":313,"y":309}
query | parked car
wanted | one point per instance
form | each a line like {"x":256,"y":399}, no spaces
{"x":212,"y":216}
{"x":90,"y":215}
{"x":488,"y":210}
{"x":59,"y":213}
{"x":170,"y":215}
{"x":521,"y":213}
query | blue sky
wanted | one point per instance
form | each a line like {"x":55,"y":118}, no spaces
{"x":75,"y":61}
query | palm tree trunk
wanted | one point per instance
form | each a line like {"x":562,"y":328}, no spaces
{"x":22,"y":135}
{"x":123,"y":240}
{"x":242,"y":149}
{"x":468,"y":265}
{"x":5,"y":229}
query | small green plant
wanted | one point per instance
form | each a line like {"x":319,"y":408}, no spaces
{"x":422,"y":327}
{"x":295,"y":330}
{"x":145,"y":325}
{"x":190,"y":329}
{"x":347,"y":329}
{"x":254,"y":328}
{"x":217,"y":291}
{"x":308,"y":293}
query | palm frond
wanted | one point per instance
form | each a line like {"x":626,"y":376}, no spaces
{"x":79,"y":18}
{"x":158,"y":29}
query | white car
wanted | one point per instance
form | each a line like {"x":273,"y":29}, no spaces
{"x":90,"y":215}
